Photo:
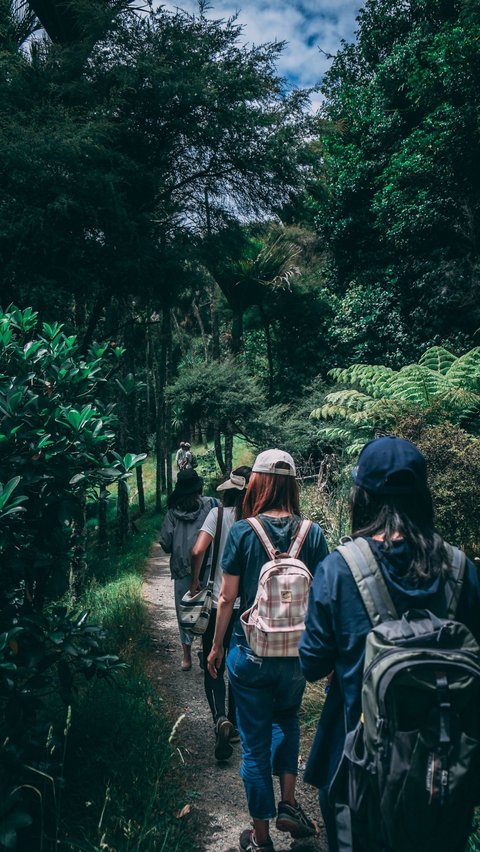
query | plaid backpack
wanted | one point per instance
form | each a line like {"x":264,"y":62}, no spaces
{"x":275,"y":622}
{"x":409,"y":776}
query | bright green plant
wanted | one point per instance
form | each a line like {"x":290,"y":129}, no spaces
{"x":440,"y":387}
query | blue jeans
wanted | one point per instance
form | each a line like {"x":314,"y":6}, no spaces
{"x":268,"y":692}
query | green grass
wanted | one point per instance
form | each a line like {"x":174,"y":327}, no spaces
{"x":118,"y":752}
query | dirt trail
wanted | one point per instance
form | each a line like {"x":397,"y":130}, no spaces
{"x":215,"y":791}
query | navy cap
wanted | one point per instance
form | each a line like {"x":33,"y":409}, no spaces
{"x":390,"y":465}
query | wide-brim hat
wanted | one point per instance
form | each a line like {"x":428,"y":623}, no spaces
{"x":391,"y":465}
{"x":267,"y":462}
{"x":234,"y":481}
{"x":188,"y":482}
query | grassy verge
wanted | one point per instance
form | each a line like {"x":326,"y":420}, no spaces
{"x":118,"y":752}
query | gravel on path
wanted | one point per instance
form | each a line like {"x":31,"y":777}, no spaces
{"x":214,"y":794}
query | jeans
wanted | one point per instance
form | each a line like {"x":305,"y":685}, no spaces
{"x":268,"y":692}
{"x":215,"y":689}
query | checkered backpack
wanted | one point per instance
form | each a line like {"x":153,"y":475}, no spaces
{"x":275,"y":622}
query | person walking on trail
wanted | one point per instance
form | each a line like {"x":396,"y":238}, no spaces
{"x":181,"y":456}
{"x":190,"y":460}
{"x":267,"y":689}
{"x":233,"y":491}
{"x":187,"y":510}
{"x":391,"y":510}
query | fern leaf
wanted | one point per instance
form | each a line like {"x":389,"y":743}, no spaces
{"x":416,"y":384}
{"x":465,"y":371}
{"x":437,"y":359}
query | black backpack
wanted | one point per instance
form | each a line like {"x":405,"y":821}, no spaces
{"x":409,"y":777}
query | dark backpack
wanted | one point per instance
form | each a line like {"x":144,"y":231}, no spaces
{"x":409,"y":777}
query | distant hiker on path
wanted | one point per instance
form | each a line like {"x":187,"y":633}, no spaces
{"x":267,"y":689}
{"x":233,"y":491}
{"x":181,"y":456}
{"x":187,"y":510}
{"x":397,"y":555}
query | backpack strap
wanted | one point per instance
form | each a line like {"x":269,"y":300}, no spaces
{"x":454,"y":581}
{"x":216,"y":548}
{"x":261,"y":532}
{"x":369,"y":579}
{"x":298,"y":539}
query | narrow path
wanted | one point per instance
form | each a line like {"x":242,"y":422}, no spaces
{"x":215,"y":792}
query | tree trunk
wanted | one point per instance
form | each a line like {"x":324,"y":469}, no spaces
{"x":122,"y":513}
{"x":228,"y":453}
{"x":98,"y":306}
{"x":140,"y":489}
{"x":201,"y":326}
{"x":167,"y":335}
{"x":237,"y":331}
{"x":214,"y":322}
{"x":158,"y":386}
{"x":218,"y":448}
{"x":102,"y":518}
{"x":79,"y":567}
{"x":266,"y":328}
{"x":204,"y":434}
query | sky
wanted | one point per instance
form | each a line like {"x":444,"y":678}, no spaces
{"x":306,"y":26}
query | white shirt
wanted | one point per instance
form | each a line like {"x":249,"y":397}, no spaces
{"x":210,"y":527}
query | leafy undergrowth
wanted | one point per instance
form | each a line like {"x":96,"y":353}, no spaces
{"x":118,"y":754}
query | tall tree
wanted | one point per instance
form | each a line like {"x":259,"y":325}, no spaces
{"x":402,"y":214}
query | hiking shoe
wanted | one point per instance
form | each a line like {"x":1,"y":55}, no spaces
{"x":249,"y":844}
{"x":295,"y":821}
{"x":223,"y":731}
{"x":234,"y":736}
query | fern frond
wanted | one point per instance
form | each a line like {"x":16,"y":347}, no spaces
{"x":370,"y":377}
{"x":437,"y":359}
{"x":465,"y":371}
{"x":349,"y":398}
{"x":415,"y":384}
{"x":460,"y":403}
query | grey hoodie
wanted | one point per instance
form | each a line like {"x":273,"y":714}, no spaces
{"x":179,"y":533}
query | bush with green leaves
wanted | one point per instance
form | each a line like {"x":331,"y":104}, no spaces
{"x":57,"y":442}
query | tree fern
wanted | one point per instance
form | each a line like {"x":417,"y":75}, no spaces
{"x":440,"y":385}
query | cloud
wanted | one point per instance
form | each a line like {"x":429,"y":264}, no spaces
{"x":305,"y":26}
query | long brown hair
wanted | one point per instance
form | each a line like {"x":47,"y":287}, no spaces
{"x":271,"y":491}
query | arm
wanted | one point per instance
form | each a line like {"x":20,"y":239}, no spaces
{"x":199,"y":549}
{"x":166,"y":533}
{"x":226,"y":600}
{"x":318,"y":647}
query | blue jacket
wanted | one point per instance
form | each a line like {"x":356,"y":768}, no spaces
{"x":334,"y":640}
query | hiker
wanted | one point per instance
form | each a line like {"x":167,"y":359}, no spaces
{"x":190,"y":459}
{"x":267,"y":689}
{"x":181,"y":456}
{"x":187,"y":510}
{"x":232,"y":491}
{"x":391,"y":507}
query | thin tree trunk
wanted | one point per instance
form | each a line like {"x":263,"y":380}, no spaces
{"x":217,"y":443}
{"x":167,"y":334}
{"x":102,"y":518}
{"x":266,"y":327}
{"x":181,"y":344}
{"x":158,"y":385}
{"x":201,"y":326}
{"x":228,"y":452}
{"x":79,"y":567}
{"x":214,"y":322}
{"x":237,"y":331}
{"x":204,"y":434}
{"x":122,"y":513}
{"x":98,"y":306}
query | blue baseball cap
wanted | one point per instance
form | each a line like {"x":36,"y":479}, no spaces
{"x":390,"y":465}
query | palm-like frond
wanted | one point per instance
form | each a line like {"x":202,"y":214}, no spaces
{"x":440,"y":382}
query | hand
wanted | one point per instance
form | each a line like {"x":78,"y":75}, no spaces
{"x":214,"y":660}
{"x":194,"y":588}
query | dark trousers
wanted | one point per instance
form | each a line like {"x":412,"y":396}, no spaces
{"x":215,"y":688}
